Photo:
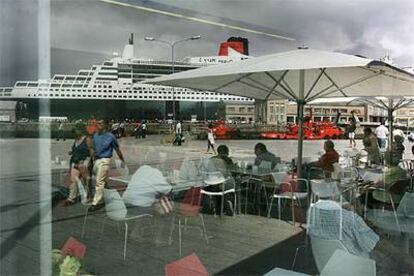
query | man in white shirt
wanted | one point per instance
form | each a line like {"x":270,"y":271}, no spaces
{"x":145,"y":184}
{"x":381,"y":132}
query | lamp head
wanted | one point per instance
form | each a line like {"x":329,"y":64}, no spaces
{"x":149,"y":38}
{"x":195,"y":37}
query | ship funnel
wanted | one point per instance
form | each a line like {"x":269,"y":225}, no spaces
{"x":128,"y":52}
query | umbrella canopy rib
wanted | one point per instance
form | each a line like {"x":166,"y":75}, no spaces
{"x":334,"y":83}
{"x":403,"y":103}
{"x":284,"y":82}
{"x":280,"y":84}
{"x":253,"y":86}
{"x":315,"y":82}
{"x":259,"y":83}
{"x":321,"y":94}
{"x":277,"y":83}
{"x":231,"y":82}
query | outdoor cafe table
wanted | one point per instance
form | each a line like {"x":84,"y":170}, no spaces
{"x":252,"y":174}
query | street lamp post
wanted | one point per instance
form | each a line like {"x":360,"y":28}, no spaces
{"x":172,"y":45}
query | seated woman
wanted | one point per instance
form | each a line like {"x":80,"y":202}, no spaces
{"x":80,"y":153}
{"x":326,"y":161}
{"x":222,"y":163}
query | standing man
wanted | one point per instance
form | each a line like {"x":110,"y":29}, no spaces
{"x":104,"y":142}
{"x":381,"y":132}
{"x":144,"y":129}
{"x":178,"y":134}
{"x":61,"y":131}
{"x":351,"y":131}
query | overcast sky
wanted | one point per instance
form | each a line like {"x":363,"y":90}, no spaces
{"x":96,"y":29}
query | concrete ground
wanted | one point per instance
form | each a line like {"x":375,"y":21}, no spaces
{"x":30,"y":227}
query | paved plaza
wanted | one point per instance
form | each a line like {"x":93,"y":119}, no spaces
{"x":234,"y":242}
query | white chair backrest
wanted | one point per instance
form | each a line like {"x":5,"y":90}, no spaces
{"x":265,"y":166}
{"x":82,"y":192}
{"x":323,"y":250}
{"x":338,"y":172}
{"x":213,"y":178}
{"x":324,"y":189}
{"x":278,"y":176}
{"x":188,"y":170}
{"x":343,"y":263}
{"x":114,"y":205}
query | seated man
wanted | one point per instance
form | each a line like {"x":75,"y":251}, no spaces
{"x":262,"y":154}
{"x":327,"y":160}
{"x":393,"y":175}
{"x":398,"y":147}
{"x":357,"y":237}
{"x":146,"y":185}
{"x":143,"y":188}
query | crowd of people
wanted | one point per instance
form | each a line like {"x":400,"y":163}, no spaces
{"x":92,"y":153}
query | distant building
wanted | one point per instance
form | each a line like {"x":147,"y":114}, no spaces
{"x":236,"y":111}
{"x":404,"y":116}
{"x":8,"y":111}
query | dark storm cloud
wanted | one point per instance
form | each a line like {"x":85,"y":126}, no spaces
{"x":84,"y":31}
{"x":368,"y":27}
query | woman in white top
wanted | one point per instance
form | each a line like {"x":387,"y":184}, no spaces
{"x":210,"y":139}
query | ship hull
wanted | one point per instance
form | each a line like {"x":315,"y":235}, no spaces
{"x":116,"y":109}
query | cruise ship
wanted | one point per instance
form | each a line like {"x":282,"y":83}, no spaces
{"x":114,"y":88}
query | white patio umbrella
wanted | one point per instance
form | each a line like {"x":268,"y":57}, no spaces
{"x":300,"y":75}
{"x":390,"y":104}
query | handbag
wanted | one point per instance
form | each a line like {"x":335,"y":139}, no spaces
{"x":163,"y":205}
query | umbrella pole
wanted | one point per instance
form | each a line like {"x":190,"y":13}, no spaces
{"x":390,"y":122}
{"x":300,"y":102}
{"x":300,"y":137}
{"x":390,"y":129}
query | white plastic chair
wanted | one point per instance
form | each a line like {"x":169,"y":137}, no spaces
{"x":324,"y":249}
{"x":322,"y":189}
{"x":343,"y":264}
{"x":217,"y":178}
{"x":292,"y":195}
{"x":116,"y":211}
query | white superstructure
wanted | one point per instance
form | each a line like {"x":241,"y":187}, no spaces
{"x":120,"y":79}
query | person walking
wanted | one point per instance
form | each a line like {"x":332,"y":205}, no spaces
{"x":104,"y":142}
{"x":144,"y":129}
{"x":178,"y":134}
{"x":351,"y":130}
{"x":210,"y":139}
{"x":78,"y":164}
{"x":61,"y":131}
{"x":381,"y":132}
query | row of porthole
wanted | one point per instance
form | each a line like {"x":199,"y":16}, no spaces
{"x":135,"y":97}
